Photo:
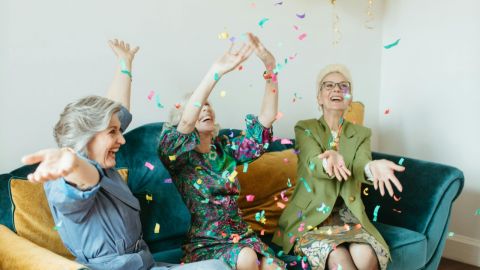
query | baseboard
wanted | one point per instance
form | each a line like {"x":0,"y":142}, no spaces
{"x":463,"y":249}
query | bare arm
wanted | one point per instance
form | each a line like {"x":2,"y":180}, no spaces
{"x":269,"y":108}
{"x":64,"y":162}
{"x":228,"y":62}
{"x":120,"y":87}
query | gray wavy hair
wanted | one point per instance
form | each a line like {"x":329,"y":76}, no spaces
{"x":176,"y":114}
{"x":81,"y":120}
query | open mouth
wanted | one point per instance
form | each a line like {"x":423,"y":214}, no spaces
{"x":205,"y":119}
{"x":336,"y":98}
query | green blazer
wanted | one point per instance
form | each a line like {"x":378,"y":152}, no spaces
{"x":311,"y":140}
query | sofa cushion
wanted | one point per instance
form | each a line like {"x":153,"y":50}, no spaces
{"x":408,"y":248}
{"x":267,"y":179}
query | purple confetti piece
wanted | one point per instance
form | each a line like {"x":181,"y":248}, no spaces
{"x":168,"y":181}
{"x":301,"y":16}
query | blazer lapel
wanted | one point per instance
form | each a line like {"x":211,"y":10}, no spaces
{"x":120,"y":191}
{"x":348,"y":143}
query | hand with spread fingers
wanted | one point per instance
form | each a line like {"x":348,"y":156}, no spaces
{"x":54,"y":163}
{"x":267,"y":58}
{"x":232,"y":58}
{"x":335,"y":165}
{"x":383,"y":172}
{"x":122,"y":49}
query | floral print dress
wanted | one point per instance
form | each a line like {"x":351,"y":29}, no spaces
{"x":210,"y":189}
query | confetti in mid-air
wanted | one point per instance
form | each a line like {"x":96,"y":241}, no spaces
{"x":167,"y":181}
{"x":223,"y":93}
{"x":450,"y":234}
{"x":302,"y":36}
{"x":149,"y":166}
{"x":223,"y":35}
{"x":477,"y":213}
{"x":172,"y":158}
{"x":280,"y":205}
{"x":250,"y":198}
{"x":400,"y":162}
{"x":300,"y":15}
{"x":279,"y":116}
{"x":387,"y":111}
{"x":157,"y":228}
{"x":289,"y":184}
{"x":306,"y":184}
{"x":148,"y":197}
{"x":197,"y":104}
{"x":245,"y":167}
{"x":58,"y":225}
{"x":365,"y":191}
{"x":150,"y":95}
{"x":123,"y":65}
{"x":157,"y":99}
{"x":262,"y":22}
{"x":375,"y":212}
{"x":391,"y":45}
{"x":216,"y":77}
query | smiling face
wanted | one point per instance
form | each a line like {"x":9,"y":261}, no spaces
{"x":206,"y":119}
{"x":103,"y":146}
{"x":334,"y":92}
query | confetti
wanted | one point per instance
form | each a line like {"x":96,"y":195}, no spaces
{"x":223,"y":35}
{"x":157,"y":228}
{"x":348,"y":96}
{"x":289,"y":184}
{"x":295,"y":27}
{"x":250,"y":198}
{"x":396,"y":198}
{"x":262,"y":232}
{"x":262,"y":21}
{"x":477,"y":213}
{"x":260,"y":217}
{"x":58,"y":225}
{"x":240,"y":67}
{"x":278,"y":3}
{"x":149,"y":166}
{"x":280,"y":205}
{"x":157,"y":99}
{"x":285,"y":160}
{"x":172,"y":158}
{"x":286,"y":141}
{"x":304,"y":265}
{"x":300,"y":16}
{"x":306,"y":184}
{"x":177,"y":105}
{"x":365,"y":191}
{"x":199,"y":181}
{"x":148,"y":197}
{"x":311,"y":166}
{"x":245,"y":167}
{"x":216,"y":76}
{"x":280,"y":253}
{"x":302,"y":36}
{"x":391,"y":45}
{"x":375,"y":212}
{"x":279,"y":116}
{"x":339,"y":267}
{"x":400,"y":162}
{"x":269,"y":260}
{"x":150,"y":95}
{"x":323,"y":208}
{"x":387,"y":111}
{"x":232,"y":176}
{"x":167,"y":181}
{"x":450,"y":234}
{"x":301,"y":228}
{"x":123,"y":65}
{"x":197,"y":104}
{"x":235,"y":238}
{"x":398,"y":211}
{"x":283,"y":196}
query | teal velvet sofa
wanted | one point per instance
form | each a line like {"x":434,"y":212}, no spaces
{"x":415,"y":226}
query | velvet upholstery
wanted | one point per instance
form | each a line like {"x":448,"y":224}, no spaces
{"x":416,"y":236}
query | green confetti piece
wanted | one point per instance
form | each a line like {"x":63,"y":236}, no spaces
{"x":400,"y":162}
{"x":306,"y":184}
{"x":311,"y":166}
{"x":197,"y":104}
{"x":123,"y":65}
{"x":289,"y":184}
{"x":375,"y":212}
{"x":262,"y":22}
{"x":308,"y":132}
{"x":157,"y":100}
{"x":477,"y":213}
{"x":245,"y":167}
{"x":392,"y":44}
{"x":280,"y":253}
{"x":450,"y":234}
{"x":216,"y":76}
{"x":269,"y":261}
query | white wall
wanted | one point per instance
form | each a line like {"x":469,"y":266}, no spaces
{"x":53,"y":52}
{"x":431,"y":83}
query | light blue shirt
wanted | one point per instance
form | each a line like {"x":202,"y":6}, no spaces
{"x":101,"y":226}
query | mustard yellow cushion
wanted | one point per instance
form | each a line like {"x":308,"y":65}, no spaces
{"x":355,"y":113}
{"x":266,"y":178}
{"x":32,"y":217}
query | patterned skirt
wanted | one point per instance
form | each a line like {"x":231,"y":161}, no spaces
{"x":339,"y":228}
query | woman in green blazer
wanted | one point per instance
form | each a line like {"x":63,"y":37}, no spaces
{"x":326,"y":220}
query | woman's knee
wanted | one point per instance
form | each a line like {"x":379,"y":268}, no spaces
{"x":247,"y":259}
{"x":363,"y":256}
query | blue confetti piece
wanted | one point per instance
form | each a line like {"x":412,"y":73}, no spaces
{"x":392,"y":44}
{"x":245,"y":167}
{"x":375,"y":212}
{"x":157,"y":100}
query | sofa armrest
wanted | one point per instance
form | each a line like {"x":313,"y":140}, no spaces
{"x":18,"y":253}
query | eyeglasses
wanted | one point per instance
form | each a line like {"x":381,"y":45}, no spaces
{"x":329,"y":86}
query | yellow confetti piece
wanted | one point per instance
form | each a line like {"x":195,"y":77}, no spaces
{"x":232,"y":176}
{"x":223,"y":93}
{"x":148,"y":197}
{"x":199,"y":181}
{"x":172,"y":158}
{"x":223,"y":35}
{"x":157,"y":228}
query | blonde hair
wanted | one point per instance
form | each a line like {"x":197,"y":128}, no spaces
{"x":81,"y":120}
{"x":175,"y":114}
{"x":333,"y":68}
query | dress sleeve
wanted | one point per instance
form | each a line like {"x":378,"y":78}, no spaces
{"x":174,"y":146}
{"x":72,"y":202}
{"x":252,"y":143}
{"x":125,"y":118}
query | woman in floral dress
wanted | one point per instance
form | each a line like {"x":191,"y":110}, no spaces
{"x":202,"y":166}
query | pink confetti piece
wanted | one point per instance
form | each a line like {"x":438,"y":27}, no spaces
{"x":396,"y":198}
{"x":295,"y":27}
{"x":280,"y":205}
{"x":286,"y":141}
{"x":292,"y":57}
{"x":283,"y":196}
{"x":262,"y":232}
{"x":149,"y":166}
{"x":167,"y":181}
{"x":302,"y":36}
{"x":250,"y":198}
{"x":279,"y":116}
{"x":150,"y":95}
{"x":285,"y":160}
{"x":300,"y":16}
{"x":387,"y":111}
{"x":304,"y":265}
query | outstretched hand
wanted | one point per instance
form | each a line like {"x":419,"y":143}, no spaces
{"x":232,"y":58}
{"x":122,"y":49}
{"x":335,"y":165}
{"x":383,"y":172}
{"x":267,"y":58}
{"x":54,"y":163}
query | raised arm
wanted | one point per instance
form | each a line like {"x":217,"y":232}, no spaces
{"x":269,"y":109}
{"x":120,"y":87}
{"x":64,"y":162}
{"x":228,"y":62}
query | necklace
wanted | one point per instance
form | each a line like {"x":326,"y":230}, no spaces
{"x":334,"y":140}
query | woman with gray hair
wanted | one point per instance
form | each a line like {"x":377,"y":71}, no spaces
{"x":202,"y":165}
{"x":97,"y":216}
